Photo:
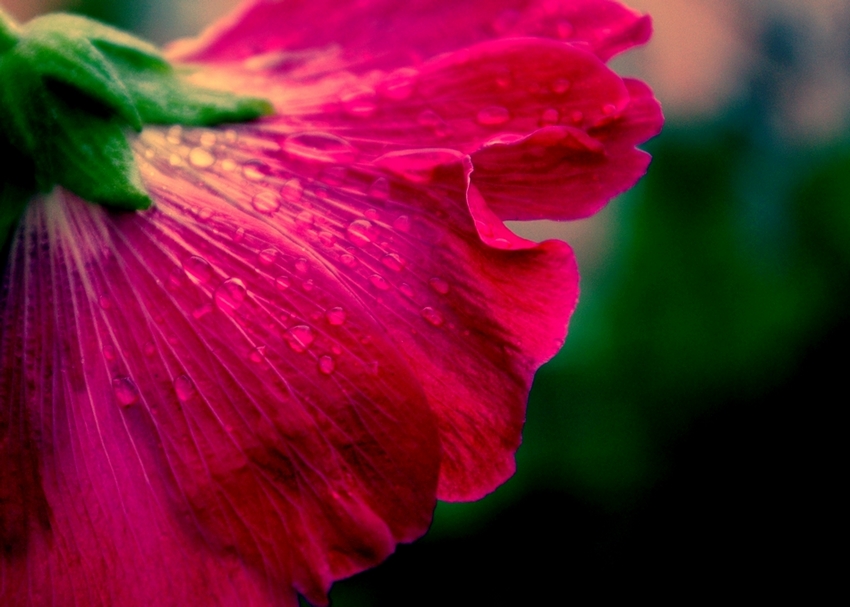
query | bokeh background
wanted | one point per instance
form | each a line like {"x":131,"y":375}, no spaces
{"x":688,"y":435}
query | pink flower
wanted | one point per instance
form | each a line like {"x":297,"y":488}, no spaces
{"x":263,"y":383}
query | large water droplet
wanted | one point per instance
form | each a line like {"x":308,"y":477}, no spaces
{"x":266,"y":257}
{"x":198,"y":268}
{"x":360,"y":232}
{"x":126,"y":392}
{"x":561,"y":86}
{"x":201,"y":158}
{"x":230,"y":295}
{"x":292,"y":191}
{"x":184,"y":387}
{"x":493,"y":115}
{"x":399,"y":85}
{"x":266,"y":202}
{"x":380,"y":189}
{"x":439,"y":285}
{"x":326,"y":364}
{"x":299,"y":338}
{"x":393,"y":261}
{"x":254,"y":170}
{"x":418,"y":166}
{"x":379,"y":282}
{"x":335,"y":316}
{"x":549,"y":116}
{"x":319,"y":147}
{"x":432,"y":316}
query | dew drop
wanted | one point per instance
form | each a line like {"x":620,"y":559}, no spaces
{"x":105,"y":302}
{"x":175,"y":160}
{"x":184,"y":387}
{"x":201,"y":158}
{"x":282,"y":283}
{"x":126,"y":392}
{"x":402,"y":223}
{"x":348,"y":260}
{"x":205,"y":214}
{"x":257,"y":355}
{"x":254,"y":171}
{"x":335,"y":316}
{"x":371,"y":213}
{"x":299,"y":338}
{"x":198,"y":268}
{"x":359,"y":104}
{"x":439,"y":285}
{"x":609,"y":108}
{"x":292,"y":191}
{"x":393,"y":261}
{"x":327,"y":238}
{"x":208,"y":139}
{"x":360,"y":232}
{"x":326,"y":364}
{"x":549,"y":116}
{"x":379,"y":282}
{"x":399,"y":85}
{"x":174,"y":135}
{"x":561,"y":86}
{"x":319,"y":147}
{"x":230,"y":295}
{"x":201,"y":311}
{"x":239,"y":234}
{"x":493,"y":115}
{"x":231,"y":136}
{"x":565,"y":29}
{"x":266,"y":257}
{"x":229,"y":165}
{"x":308,"y":285}
{"x":304,"y":219}
{"x":380,"y":189}
{"x":302,"y":266}
{"x":406,"y":290}
{"x":266,"y":202}
{"x":432,"y":316}
{"x":109,"y":353}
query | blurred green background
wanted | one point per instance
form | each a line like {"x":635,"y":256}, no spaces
{"x":688,"y":431}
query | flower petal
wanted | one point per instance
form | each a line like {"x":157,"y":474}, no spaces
{"x":394,"y":33}
{"x":188,"y":422}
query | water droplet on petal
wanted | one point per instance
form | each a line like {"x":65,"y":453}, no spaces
{"x":393,"y":261}
{"x":292,"y":191}
{"x":205,"y":214}
{"x":549,"y":116}
{"x":105,"y":302}
{"x":254,"y":170}
{"x":432,"y":316}
{"x":302,"y":266}
{"x":282,"y":283}
{"x":198,"y":268}
{"x":229,"y":165}
{"x":201,"y":158}
{"x":208,"y":139}
{"x":308,"y":285}
{"x":379,"y":282}
{"x":493,"y":115}
{"x":577,"y":116}
{"x":174,"y":135}
{"x":402,"y":223}
{"x":565,"y":29}
{"x":184,"y":387}
{"x":126,"y":392}
{"x":109,"y":353}
{"x":609,"y":108}
{"x":230,"y":295}
{"x":266,"y":202}
{"x":561,"y":86}
{"x":239,"y":234}
{"x":326,"y":365}
{"x":380,"y":189}
{"x":335,"y":316}
{"x":360,"y":104}
{"x":327,"y":239}
{"x":258,"y":354}
{"x":299,"y":338}
{"x":149,"y":348}
{"x":439,"y":285}
{"x":360,"y":232}
{"x":399,"y":85}
{"x":348,"y":260}
{"x":267,"y":257}
{"x":406,"y":289}
{"x":319,"y":147}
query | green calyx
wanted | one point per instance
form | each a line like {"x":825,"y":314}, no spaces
{"x":71,"y":89}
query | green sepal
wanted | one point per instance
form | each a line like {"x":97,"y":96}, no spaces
{"x":72,"y":89}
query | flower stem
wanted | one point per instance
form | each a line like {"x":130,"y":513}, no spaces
{"x":8,"y":31}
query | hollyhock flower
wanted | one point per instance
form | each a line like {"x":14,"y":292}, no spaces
{"x":262,"y":383}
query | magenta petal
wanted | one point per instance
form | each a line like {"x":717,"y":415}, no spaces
{"x":202,"y":435}
{"x":394,"y":33}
